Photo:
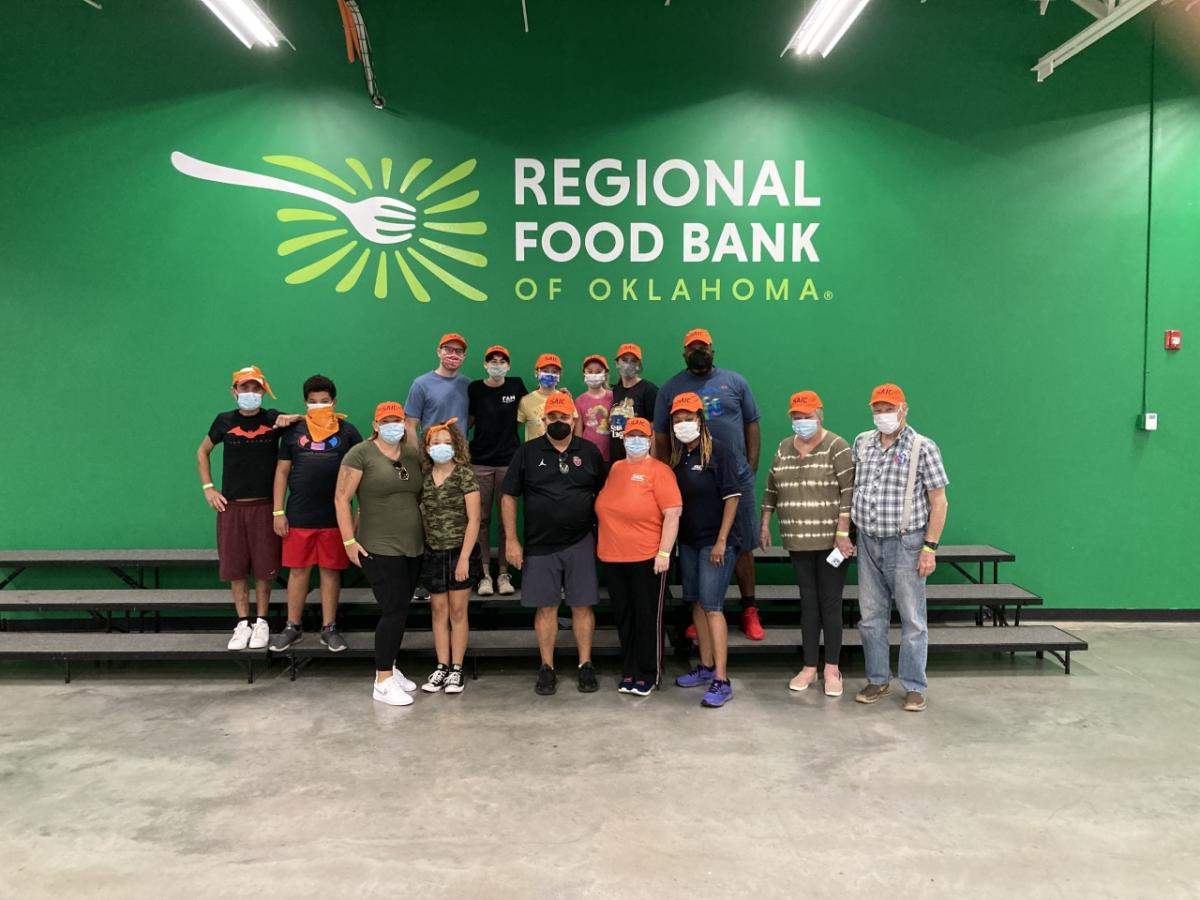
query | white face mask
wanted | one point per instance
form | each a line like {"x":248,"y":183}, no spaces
{"x":686,"y":432}
{"x":249,"y":401}
{"x":637,"y":447}
{"x":441,"y":453}
{"x":392,"y":432}
{"x":887,"y":422}
{"x":594,"y":379}
{"x":497,"y":370}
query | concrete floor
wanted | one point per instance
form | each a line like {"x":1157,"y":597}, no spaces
{"x":182,"y":781}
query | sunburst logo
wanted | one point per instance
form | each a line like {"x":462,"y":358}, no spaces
{"x":370,"y":230}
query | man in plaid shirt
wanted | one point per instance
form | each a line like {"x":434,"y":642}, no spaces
{"x":895,"y":556}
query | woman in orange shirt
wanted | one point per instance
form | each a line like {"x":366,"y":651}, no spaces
{"x":638,"y":511}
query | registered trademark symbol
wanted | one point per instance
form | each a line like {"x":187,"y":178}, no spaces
{"x":829,"y":295}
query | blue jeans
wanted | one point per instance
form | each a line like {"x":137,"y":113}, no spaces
{"x":887,"y":570}
{"x":703,"y":582}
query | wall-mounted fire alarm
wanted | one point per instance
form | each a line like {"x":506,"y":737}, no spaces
{"x":1172,"y":340}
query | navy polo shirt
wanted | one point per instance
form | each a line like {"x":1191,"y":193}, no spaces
{"x":705,"y":488}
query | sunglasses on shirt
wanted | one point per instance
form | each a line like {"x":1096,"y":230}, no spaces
{"x":400,"y":470}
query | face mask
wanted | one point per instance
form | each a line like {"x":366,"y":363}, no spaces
{"x":686,"y":432}
{"x":560,"y":431}
{"x":497,"y":370}
{"x":441,"y":453}
{"x":637,"y":446}
{"x":887,"y":422}
{"x":805,"y":428}
{"x":249,"y":401}
{"x":699,"y":361}
{"x":392,"y":432}
{"x":594,"y":379}
{"x":547,"y":379}
{"x":628,"y":370}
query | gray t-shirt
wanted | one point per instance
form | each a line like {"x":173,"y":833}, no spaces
{"x":434,"y":399}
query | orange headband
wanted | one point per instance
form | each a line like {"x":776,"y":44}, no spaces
{"x":440,"y":426}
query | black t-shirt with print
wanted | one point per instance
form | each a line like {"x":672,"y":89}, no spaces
{"x":313,"y":478}
{"x":494,"y":439}
{"x":638,"y":400}
{"x":559,"y":489}
{"x":251,"y":448}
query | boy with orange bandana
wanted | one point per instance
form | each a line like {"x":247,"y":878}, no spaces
{"x":310,"y":455}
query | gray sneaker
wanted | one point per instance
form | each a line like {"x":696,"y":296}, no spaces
{"x":332,"y":639}
{"x":914,"y":701}
{"x":873,"y":692}
{"x":285,"y":639}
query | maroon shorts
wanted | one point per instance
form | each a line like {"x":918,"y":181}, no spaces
{"x":322,"y":547}
{"x":246,"y":541}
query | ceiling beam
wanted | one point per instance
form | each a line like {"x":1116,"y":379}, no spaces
{"x":1120,"y":14}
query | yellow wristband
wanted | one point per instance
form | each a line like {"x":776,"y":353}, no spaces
{"x":349,"y":542}
{"x":205,"y":487}
{"x":665,"y":554}
{"x":277,"y":513}
{"x":842,"y":533}
{"x":927,"y":550}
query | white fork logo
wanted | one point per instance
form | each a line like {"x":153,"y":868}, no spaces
{"x":380,"y":220}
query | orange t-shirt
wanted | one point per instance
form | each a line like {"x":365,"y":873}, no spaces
{"x":630,"y":509}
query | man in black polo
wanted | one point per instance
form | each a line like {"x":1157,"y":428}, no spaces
{"x":559,"y":474}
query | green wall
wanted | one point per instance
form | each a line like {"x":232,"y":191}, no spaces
{"x":983,"y":239}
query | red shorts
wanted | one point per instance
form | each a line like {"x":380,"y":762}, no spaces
{"x":246,"y":541}
{"x":322,"y":547}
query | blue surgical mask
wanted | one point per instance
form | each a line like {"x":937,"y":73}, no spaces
{"x":392,"y":432}
{"x":805,"y":428}
{"x":441,"y":453}
{"x":637,"y":446}
{"x":249,"y":401}
{"x":547,"y":379}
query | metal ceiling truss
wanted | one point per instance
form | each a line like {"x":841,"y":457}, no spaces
{"x":1109,"y":15}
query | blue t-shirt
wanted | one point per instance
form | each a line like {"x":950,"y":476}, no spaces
{"x":434,"y":399}
{"x":728,"y":408}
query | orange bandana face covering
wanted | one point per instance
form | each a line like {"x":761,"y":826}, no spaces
{"x":322,"y":422}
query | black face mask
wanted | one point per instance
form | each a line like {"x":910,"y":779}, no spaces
{"x":700,"y":362}
{"x":559,"y":431}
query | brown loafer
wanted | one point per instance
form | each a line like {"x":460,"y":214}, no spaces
{"x":873,"y":692}
{"x":914,"y":701}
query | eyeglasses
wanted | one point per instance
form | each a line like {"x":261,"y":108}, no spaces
{"x":450,"y":351}
{"x":400,"y":470}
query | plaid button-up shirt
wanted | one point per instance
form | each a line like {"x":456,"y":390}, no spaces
{"x":880,"y":477}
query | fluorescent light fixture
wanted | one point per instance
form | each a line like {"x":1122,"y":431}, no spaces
{"x":826,"y":23}
{"x":248,"y":22}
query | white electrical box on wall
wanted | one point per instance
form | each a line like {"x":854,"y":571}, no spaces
{"x":1148,"y":422}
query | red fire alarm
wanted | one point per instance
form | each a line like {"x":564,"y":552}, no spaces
{"x":1172,"y":340}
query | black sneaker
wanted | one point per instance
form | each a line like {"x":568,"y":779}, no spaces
{"x":332,"y":639}
{"x":285,"y":639}
{"x":587,"y":679}
{"x":547,"y":682}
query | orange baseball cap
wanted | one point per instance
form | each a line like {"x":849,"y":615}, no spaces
{"x":688,"y":402}
{"x":559,"y":402}
{"x":632,"y":349}
{"x":887,"y":393}
{"x":697,"y":334}
{"x":595,"y":357}
{"x":497,"y":348}
{"x":548,"y":359}
{"x":452,"y":336}
{"x":252,"y":373}
{"x":804,"y":402}
{"x":388,"y":408}
{"x":637,"y":424}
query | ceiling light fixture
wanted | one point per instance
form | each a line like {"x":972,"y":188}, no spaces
{"x":827,"y":21}
{"x":248,"y":22}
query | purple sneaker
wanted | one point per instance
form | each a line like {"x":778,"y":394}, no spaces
{"x":718,"y":694}
{"x":698,"y":676}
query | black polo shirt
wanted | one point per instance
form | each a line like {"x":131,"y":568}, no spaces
{"x":559,"y":489}
{"x":705,"y":488}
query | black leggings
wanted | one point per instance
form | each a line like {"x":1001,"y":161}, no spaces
{"x":393,"y":579}
{"x":636,"y":594}
{"x":820,"y":603}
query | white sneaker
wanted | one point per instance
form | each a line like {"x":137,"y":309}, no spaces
{"x":504,"y":582}
{"x":405,"y":683}
{"x":454,"y":682}
{"x":241,"y":636}
{"x":389,"y":691}
{"x":260,"y":635}
{"x":485,"y":588}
